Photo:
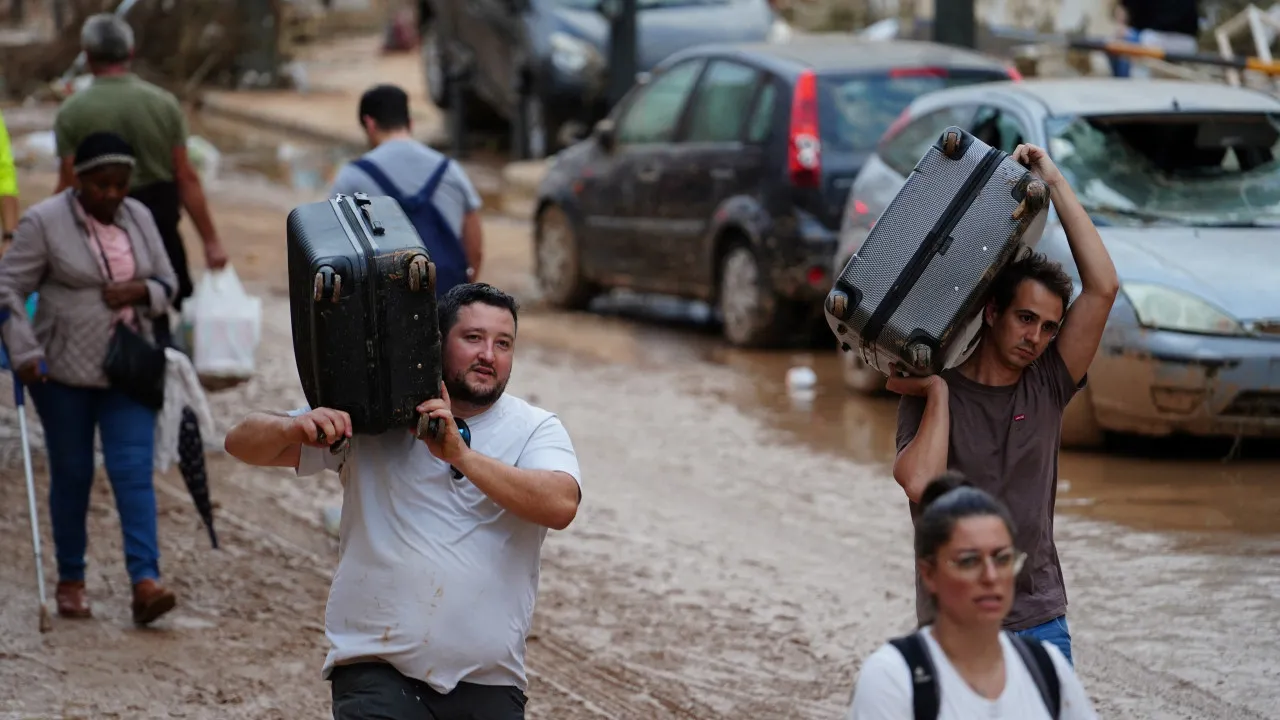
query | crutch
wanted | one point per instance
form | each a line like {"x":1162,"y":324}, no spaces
{"x":19,"y":401}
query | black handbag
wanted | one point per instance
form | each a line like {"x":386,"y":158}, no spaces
{"x":133,"y":364}
{"x":135,"y":367}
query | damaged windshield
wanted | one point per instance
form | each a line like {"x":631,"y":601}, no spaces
{"x":1206,"y":170}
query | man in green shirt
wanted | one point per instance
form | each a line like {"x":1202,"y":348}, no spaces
{"x":151,"y":120}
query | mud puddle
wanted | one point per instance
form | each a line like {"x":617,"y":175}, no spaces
{"x":1148,"y":484}
{"x":310,"y":167}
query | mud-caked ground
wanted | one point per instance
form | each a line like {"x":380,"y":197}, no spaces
{"x":736,"y":555}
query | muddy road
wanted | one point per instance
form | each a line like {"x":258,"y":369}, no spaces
{"x":739,"y":549}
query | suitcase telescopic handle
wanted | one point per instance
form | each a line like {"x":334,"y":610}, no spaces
{"x":366,"y":208}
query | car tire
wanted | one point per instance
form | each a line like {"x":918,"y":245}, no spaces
{"x":750,"y":313}
{"x":860,"y":377}
{"x":558,"y":263}
{"x":1080,"y":429}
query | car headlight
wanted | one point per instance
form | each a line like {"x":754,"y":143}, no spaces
{"x":569,"y":54}
{"x":1158,"y":306}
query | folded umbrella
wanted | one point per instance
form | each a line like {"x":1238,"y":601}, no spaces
{"x":191,"y":463}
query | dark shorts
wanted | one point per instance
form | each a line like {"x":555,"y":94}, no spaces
{"x":376,"y":691}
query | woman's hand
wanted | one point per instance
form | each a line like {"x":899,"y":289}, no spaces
{"x":122,"y":294}
{"x":32,"y":373}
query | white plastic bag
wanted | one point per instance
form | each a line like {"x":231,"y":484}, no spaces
{"x":181,"y":389}
{"x":226,"y":325}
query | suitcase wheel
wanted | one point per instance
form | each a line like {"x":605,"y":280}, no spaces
{"x":838,"y":304}
{"x":1033,"y":202}
{"x":951,"y":145}
{"x":422,"y":274}
{"x":326,"y":282}
{"x":918,"y":355}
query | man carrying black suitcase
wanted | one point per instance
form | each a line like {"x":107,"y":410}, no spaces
{"x":997,"y":417}
{"x":441,"y":539}
{"x":433,"y":191}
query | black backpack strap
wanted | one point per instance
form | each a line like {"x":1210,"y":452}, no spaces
{"x":924,"y":679}
{"x":1042,"y":670}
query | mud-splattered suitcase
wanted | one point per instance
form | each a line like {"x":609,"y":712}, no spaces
{"x":366,"y":338}
{"x":912,"y":293}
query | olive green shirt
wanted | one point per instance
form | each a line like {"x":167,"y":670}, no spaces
{"x":147,"y":116}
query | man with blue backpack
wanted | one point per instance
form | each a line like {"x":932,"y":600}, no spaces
{"x":434,"y":191}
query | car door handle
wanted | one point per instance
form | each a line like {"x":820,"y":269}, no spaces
{"x":722,"y":174}
{"x":649,"y":174}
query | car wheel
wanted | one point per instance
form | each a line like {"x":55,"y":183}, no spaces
{"x":859,"y":376}
{"x":557,"y":261}
{"x":433,"y":66}
{"x":1080,"y":430}
{"x":752,"y":316}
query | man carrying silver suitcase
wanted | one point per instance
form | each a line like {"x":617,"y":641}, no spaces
{"x":997,"y":417}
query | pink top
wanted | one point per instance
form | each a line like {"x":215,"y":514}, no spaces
{"x":119,"y":254}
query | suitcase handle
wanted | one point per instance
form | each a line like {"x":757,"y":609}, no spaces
{"x":363,"y":202}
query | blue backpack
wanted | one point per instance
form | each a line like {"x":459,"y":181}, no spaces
{"x":442,"y":243}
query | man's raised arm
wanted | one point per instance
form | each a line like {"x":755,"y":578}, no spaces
{"x":276,"y":439}
{"x":1082,"y":330}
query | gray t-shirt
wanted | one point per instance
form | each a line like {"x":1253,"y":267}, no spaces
{"x":409,"y":164}
{"x":1005,"y":440}
{"x":434,"y":577}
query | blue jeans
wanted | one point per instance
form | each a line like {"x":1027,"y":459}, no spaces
{"x":69,"y":415}
{"x":1055,"y":632}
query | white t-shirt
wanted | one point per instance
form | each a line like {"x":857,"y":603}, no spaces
{"x":884,"y":689}
{"x":433,"y":576}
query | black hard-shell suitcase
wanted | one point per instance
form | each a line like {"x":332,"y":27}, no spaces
{"x":366,"y":337}
{"x":912,"y":294}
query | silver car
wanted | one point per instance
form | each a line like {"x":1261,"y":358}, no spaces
{"x":1183,"y":182}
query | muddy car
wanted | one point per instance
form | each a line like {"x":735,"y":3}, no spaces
{"x":723,"y":179}
{"x":1183,"y":182}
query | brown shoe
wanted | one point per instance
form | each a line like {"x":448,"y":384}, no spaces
{"x":150,"y":601}
{"x":72,"y":602}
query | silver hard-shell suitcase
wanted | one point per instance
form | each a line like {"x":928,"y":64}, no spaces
{"x":912,"y":294}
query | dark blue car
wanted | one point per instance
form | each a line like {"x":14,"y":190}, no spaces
{"x":724,"y":177}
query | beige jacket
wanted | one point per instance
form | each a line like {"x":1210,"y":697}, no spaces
{"x":52,"y":252}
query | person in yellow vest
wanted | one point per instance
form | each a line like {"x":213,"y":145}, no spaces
{"x":8,"y":188}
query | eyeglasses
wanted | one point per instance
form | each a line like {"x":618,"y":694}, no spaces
{"x":1004,"y":562}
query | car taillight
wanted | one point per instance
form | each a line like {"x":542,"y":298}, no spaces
{"x":805,"y":161}
{"x":1014,"y":75}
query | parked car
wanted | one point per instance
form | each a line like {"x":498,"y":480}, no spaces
{"x":1183,"y":182}
{"x":541,"y":65}
{"x":724,"y":177}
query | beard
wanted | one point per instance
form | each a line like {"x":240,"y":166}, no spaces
{"x":475,"y":395}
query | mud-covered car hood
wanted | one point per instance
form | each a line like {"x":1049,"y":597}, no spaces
{"x":665,"y":30}
{"x":1236,"y":269}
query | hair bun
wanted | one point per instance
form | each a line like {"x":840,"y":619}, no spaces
{"x":939,"y":486}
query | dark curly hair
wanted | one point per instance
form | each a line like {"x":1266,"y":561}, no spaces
{"x":460,"y":296}
{"x":1033,"y":267}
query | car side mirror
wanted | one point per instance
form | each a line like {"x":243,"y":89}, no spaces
{"x":605,"y":135}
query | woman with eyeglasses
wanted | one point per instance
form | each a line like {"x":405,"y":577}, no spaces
{"x":964,"y":665}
